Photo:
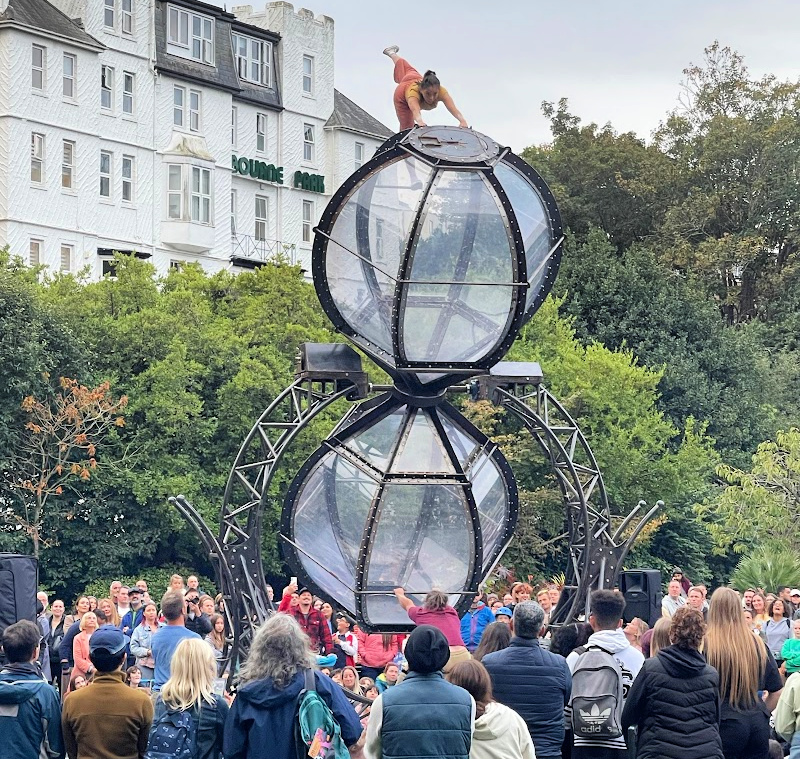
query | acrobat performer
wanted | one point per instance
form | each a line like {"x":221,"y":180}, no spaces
{"x":415,"y":93}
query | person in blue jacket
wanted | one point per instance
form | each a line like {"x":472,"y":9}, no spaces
{"x":263,"y":716}
{"x":474,"y":622}
{"x":30,"y":710}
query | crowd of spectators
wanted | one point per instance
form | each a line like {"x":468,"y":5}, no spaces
{"x":124,"y":676}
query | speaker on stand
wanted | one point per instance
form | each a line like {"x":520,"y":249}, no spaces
{"x":642,"y":591}
{"x":19,"y":581}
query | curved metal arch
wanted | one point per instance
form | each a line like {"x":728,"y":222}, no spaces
{"x":596,"y":552}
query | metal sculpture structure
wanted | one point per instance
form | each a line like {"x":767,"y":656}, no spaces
{"x":430,"y":259}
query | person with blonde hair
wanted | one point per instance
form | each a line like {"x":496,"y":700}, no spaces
{"x":660,"y":636}
{"x":190,"y":689}
{"x":746,"y":667}
{"x":106,"y":605}
{"x":80,"y":646}
{"x":634,"y":631}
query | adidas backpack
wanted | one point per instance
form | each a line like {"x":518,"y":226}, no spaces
{"x":317,"y":733}
{"x":597,"y":695}
{"x":170,"y":735}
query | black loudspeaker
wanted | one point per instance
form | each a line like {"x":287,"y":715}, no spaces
{"x":19,"y":580}
{"x":642,"y":591}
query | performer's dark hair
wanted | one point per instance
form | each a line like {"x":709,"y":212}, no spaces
{"x":429,"y":80}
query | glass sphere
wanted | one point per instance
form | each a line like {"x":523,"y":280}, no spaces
{"x":402,"y":496}
{"x":433,"y":255}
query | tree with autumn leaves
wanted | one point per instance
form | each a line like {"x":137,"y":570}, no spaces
{"x":57,"y":449}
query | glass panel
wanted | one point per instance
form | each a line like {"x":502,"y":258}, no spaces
{"x":387,"y":200}
{"x":533,"y":224}
{"x":489,"y":491}
{"x":375,"y":443}
{"x":174,"y":177}
{"x":463,"y":240}
{"x":463,"y":444}
{"x":422,"y":539}
{"x":422,"y":450}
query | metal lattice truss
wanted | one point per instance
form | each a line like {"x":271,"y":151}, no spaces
{"x":236,"y":550}
{"x":597,"y":551}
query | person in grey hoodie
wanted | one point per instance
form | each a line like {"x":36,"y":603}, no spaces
{"x":605,"y":617}
{"x":500,"y":733}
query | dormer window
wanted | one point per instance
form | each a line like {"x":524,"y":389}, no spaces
{"x":190,"y":35}
{"x":253,"y":60}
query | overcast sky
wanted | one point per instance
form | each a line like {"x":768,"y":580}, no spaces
{"x":619,"y":61}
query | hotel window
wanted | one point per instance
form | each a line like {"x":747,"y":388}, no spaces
{"x":308,"y":75}
{"x":233,"y":213}
{"x":253,"y":60}
{"x":261,"y":218}
{"x":38,"y":66}
{"x":308,"y":215}
{"x":178,"y":105}
{"x":68,"y":165}
{"x":109,"y":13}
{"x":194,"y":110}
{"x":105,"y":173}
{"x":66,"y":257}
{"x":68,"y":76}
{"x":128,"y":92}
{"x":175,"y":192}
{"x":127,"y":16}
{"x":308,"y":143}
{"x":234,"y":125}
{"x":192,"y":34}
{"x":37,"y":158}
{"x":261,"y":132}
{"x":107,"y":88}
{"x":128,"y":177}
{"x":35,"y":252}
{"x":359,"y":155}
{"x":201,"y":195}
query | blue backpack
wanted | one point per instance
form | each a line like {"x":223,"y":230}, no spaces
{"x":170,"y":734}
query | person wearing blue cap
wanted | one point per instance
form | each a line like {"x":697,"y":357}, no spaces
{"x":108,"y":720}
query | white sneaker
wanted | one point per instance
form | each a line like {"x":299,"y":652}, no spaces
{"x":391,"y":50}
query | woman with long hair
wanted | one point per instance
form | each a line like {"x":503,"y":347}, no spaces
{"x":674,"y":699}
{"x":745,"y":667}
{"x":106,"y":605}
{"x":634,"y":631}
{"x":57,"y":626}
{"x":263,"y":715}
{"x":760,"y":614}
{"x":190,"y":689}
{"x":141,"y":640}
{"x":499,"y":730}
{"x":218,"y":642}
{"x":495,"y":637}
{"x":660,"y":637}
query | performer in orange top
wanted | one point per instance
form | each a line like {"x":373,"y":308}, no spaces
{"x":415,"y":93}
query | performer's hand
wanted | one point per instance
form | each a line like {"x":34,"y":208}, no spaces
{"x":464,"y":124}
{"x":399,"y":592}
{"x":420,"y":122}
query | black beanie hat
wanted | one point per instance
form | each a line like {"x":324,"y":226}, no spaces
{"x":426,"y":649}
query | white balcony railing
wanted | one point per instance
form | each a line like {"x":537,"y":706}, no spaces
{"x":248,"y":247}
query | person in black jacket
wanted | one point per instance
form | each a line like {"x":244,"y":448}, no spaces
{"x":675,"y":700}
{"x":533,"y":682}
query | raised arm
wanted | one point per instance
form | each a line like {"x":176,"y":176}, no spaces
{"x":403,"y":599}
{"x":451,"y":106}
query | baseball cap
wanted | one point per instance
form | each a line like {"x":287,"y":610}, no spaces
{"x":795,"y":592}
{"x":108,"y":639}
{"x":135,"y":591}
{"x":304,"y":590}
{"x":504,"y":610}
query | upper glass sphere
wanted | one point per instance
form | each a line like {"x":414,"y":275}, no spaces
{"x":433,"y":255}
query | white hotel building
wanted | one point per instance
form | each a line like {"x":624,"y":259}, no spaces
{"x":172,"y":129}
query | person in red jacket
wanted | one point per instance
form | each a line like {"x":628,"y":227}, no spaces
{"x":312,"y":623}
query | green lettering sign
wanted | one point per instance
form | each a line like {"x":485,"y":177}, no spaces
{"x":263,"y":172}
{"x":310,"y":182}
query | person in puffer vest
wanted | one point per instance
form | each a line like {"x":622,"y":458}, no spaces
{"x":423,"y":700}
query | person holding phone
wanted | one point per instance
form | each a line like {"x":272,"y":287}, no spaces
{"x":196,"y":620}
